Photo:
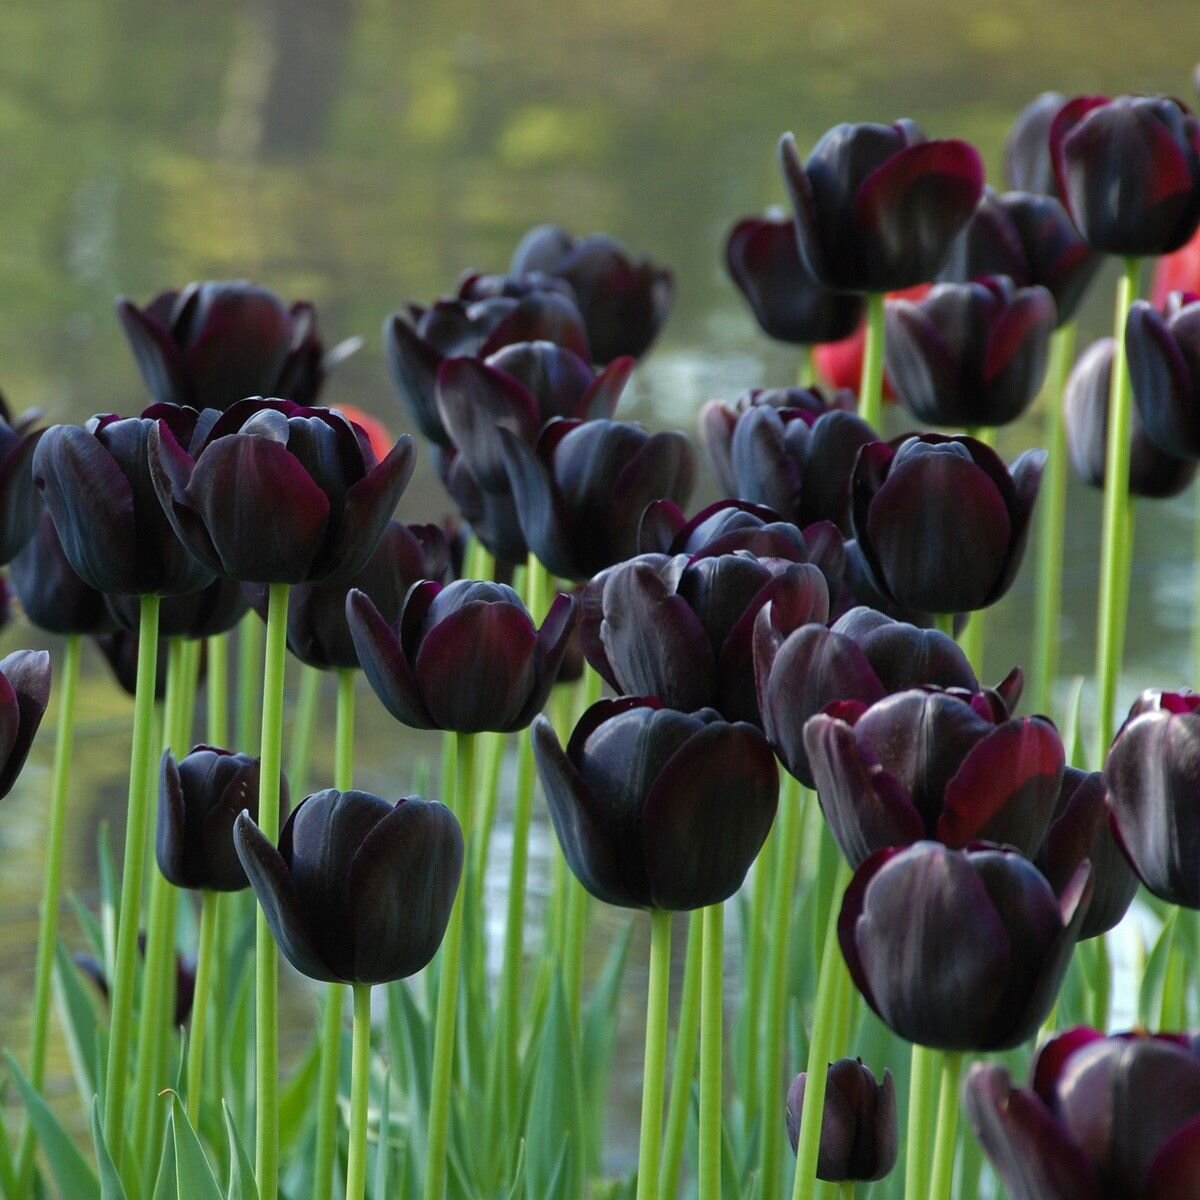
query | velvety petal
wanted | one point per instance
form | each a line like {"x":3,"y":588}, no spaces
{"x":834,"y":441}
{"x":1162,"y":384}
{"x":763,"y":470}
{"x":550,"y":649}
{"x":600,"y":401}
{"x":1028,"y":166}
{"x":541,"y":317}
{"x":904,"y":656}
{"x":413,"y":364}
{"x":170,"y":834}
{"x":157,"y":354}
{"x":804,"y":208}
{"x":664,"y":468}
{"x":1176,"y":1167}
{"x":52,"y":595}
{"x":384,"y":663}
{"x":543,"y":515}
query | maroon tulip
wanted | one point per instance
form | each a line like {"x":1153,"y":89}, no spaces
{"x":276,"y":493}
{"x":19,"y":505}
{"x":941,"y":522}
{"x":1152,"y":472}
{"x":465,"y":657}
{"x":1028,"y":165}
{"x":1105,"y":1118}
{"x":791,"y":449}
{"x":972,"y":354}
{"x":1164,"y":366}
{"x":491,"y":516}
{"x":24,"y":694}
{"x":763,"y":260}
{"x":878,"y":206}
{"x":624,"y":301}
{"x":52,"y":595}
{"x":1129,"y":171}
{"x":959,"y":949}
{"x":215,"y":609}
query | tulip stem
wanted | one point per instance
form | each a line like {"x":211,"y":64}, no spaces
{"x":489,"y":790}
{"x":684,"y":1067}
{"x":711,"y":1016}
{"x":831,"y":996}
{"x":790,"y":834}
{"x":756,"y":937}
{"x":923,"y":1072}
{"x":437,"y":1146}
{"x":804,"y":367}
{"x":654,"y":1062}
{"x":870,"y":389}
{"x":266,"y":996}
{"x":216,"y":692}
{"x":209,"y":916}
{"x":64,"y":743}
{"x":945,"y":623}
{"x":1052,"y":522}
{"x":141,"y":769}
{"x":343,"y":759}
{"x":946,"y":1140}
{"x":360,"y":1094}
{"x":250,"y":665}
{"x":1114,"y":554}
{"x":304,"y":718}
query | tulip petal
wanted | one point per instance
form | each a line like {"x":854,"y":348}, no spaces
{"x":541,"y":510}
{"x":413,"y":364}
{"x":384,"y":662}
{"x":663,"y":468}
{"x":1175,"y":1170}
{"x":762,"y":468}
{"x":27,"y":674}
{"x":1162,"y":383}
{"x":171,"y":826}
{"x":600,"y":401}
{"x":804,"y":209}
{"x":550,"y":648}
{"x":157,"y":354}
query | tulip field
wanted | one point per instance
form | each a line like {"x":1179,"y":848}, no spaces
{"x":915,"y":924}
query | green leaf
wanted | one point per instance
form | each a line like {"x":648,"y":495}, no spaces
{"x":1077,"y":755}
{"x":1150,"y":995}
{"x":164,"y":1187}
{"x":88,"y":925}
{"x":193,"y":1176}
{"x":71,"y":1172}
{"x":518,"y":1185}
{"x":110,"y":889}
{"x":242,"y":1185}
{"x":80,"y":1021}
{"x":383,"y":1141}
{"x":111,"y":1187}
{"x":298,"y":1099}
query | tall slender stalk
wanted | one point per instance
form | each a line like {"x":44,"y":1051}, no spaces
{"x":304,"y":718}
{"x":870,"y":390}
{"x":921,"y":1081}
{"x":266,"y":957}
{"x":947,"y":1129}
{"x":804,"y":367}
{"x":335,"y":993}
{"x":250,"y":667}
{"x":711,"y":1019}
{"x":654,"y":1062}
{"x":437,"y":1145}
{"x":60,"y":789}
{"x":1114,"y":580}
{"x":216,"y":691}
{"x":210,"y":912}
{"x":752,"y":1005}
{"x":683,"y":1070}
{"x":360,"y":1094}
{"x":141,"y":769}
{"x":1052,"y":522}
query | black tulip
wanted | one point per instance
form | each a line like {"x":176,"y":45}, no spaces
{"x":24,"y":694}
{"x":1163,"y":349}
{"x":52,"y":595}
{"x":358,"y":890}
{"x":1028,"y":165}
{"x":215,"y":609}
{"x":19,"y":504}
{"x":120,"y":650}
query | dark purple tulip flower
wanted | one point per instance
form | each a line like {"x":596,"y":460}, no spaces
{"x":959,"y":949}
{"x":1028,"y":165}
{"x":1129,"y":171}
{"x":863,"y":656}
{"x":1105,"y":1118}
{"x":212,"y":610}
{"x":656,"y":808}
{"x":941,"y":522}
{"x":1081,"y":829}
{"x":1152,"y":472}
{"x":723,"y":527}
{"x":791,"y":449}
{"x":1164,"y":366}
{"x":185,"y":978}
{"x":878,"y":206}
{"x":358,"y":890}
{"x":581,"y":491}
{"x":970,"y":354}
{"x":1029,"y":238}
{"x":1152,"y":773}
{"x":624,"y":300}
{"x":492,"y":516}
{"x":217,"y":342}
{"x":488,"y":313}
{"x":681,"y":628}
{"x":763,"y":260}
{"x":199,"y":798}
{"x":860,"y":1137}
{"x":95,"y":480}
{"x":52,"y":595}
{"x":465,"y":657}
{"x":19,"y":505}
{"x":318,"y":633}
{"x":24,"y":694}
{"x":276,"y":493}
{"x":933,"y":764}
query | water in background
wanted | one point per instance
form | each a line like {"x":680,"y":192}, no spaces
{"x":363,"y":153}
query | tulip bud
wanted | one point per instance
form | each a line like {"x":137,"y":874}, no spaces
{"x":360,"y":890}
{"x":860,"y":1138}
{"x":1164,"y":367}
{"x":199,"y":797}
{"x":24,"y":694}
{"x":185,"y":979}
{"x":655,"y":808}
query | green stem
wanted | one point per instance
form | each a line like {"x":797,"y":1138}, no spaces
{"x":360,"y":1094}
{"x":760,"y":893}
{"x":437,"y":1146}
{"x":489,"y":789}
{"x":790,"y":832}
{"x":216,"y":691}
{"x":711,"y":1015}
{"x":654,"y":1063}
{"x":944,"y":622}
{"x":343,"y":759}
{"x":304,"y":718}
{"x":1114,"y":580}
{"x":266,"y":957}
{"x":846,"y":1189}
{"x":137,"y":829}
{"x":1052,"y":522}
{"x":683,"y":1071}
{"x":947,"y":1128}
{"x":804,"y":367}
{"x":210,"y":912}
{"x":64,"y":743}
{"x":1101,"y":996}
{"x":923,"y":1074}
{"x":870,"y":391}
{"x":250,"y":666}
{"x":832,"y":986}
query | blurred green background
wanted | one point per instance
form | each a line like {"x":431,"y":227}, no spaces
{"x":363,"y":152}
